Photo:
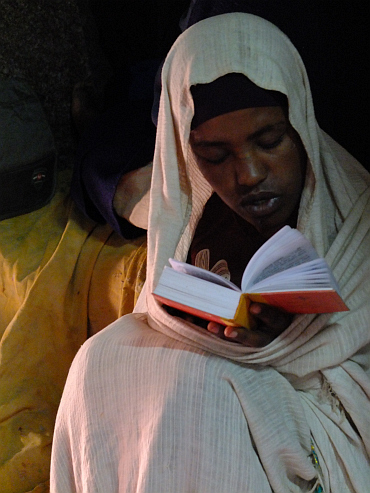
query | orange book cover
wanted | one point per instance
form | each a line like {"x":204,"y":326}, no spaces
{"x":313,"y":301}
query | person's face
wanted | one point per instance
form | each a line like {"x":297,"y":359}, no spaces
{"x":255,"y":161}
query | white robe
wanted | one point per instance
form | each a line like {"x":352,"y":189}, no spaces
{"x":155,"y":404}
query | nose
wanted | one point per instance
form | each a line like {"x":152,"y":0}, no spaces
{"x":250,"y":170}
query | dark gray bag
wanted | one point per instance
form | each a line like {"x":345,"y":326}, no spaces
{"x":27,"y":151}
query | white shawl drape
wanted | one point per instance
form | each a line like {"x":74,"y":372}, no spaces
{"x":176,"y":408}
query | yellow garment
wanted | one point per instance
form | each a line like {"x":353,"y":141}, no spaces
{"x":62,"y":278}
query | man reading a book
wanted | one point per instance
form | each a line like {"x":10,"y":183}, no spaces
{"x":157,"y":403}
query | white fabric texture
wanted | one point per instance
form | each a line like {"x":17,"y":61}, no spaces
{"x":177,"y":409}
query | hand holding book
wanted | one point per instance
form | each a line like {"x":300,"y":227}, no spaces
{"x":268,"y":323}
{"x":286,"y":273}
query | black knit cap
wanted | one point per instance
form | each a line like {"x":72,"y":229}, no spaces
{"x":231,"y":92}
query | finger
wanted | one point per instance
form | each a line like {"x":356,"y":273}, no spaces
{"x":272,"y":318}
{"x":247,"y":337}
{"x":215,"y":328}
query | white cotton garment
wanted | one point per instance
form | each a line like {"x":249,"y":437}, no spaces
{"x":154,"y":404}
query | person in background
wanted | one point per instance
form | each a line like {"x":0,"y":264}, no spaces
{"x":64,"y":277}
{"x":157,"y":402}
{"x":78,"y":263}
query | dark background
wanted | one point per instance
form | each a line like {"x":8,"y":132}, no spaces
{"x":331,"y":37}
{"x":56,"y":43}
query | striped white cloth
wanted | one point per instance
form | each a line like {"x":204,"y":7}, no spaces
{"x":154,"y":404}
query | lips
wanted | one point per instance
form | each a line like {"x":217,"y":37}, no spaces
{"x":261,"y":204}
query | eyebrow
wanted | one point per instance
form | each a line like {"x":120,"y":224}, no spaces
{"x":255,"y":135}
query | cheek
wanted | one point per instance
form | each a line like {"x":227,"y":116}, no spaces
{"x":298,"y":160}
{"x":219,"y":177}
{"x":298,"y":174}
{"x":291,"y":175}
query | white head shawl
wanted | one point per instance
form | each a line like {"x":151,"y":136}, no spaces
{"x":334,"y":208}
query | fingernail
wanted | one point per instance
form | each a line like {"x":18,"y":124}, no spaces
{"x":256,"y":309}
{"x":232,"y":334}
{"x":213,"y":328}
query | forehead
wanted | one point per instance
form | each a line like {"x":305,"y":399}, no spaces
{"x":248,"y":121}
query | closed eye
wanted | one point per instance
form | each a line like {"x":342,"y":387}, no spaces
{"x":212,"y":154}
{"x":271,"y":144}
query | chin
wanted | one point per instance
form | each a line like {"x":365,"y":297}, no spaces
{"x":267,"y":228}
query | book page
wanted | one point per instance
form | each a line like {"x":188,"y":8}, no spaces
{"x":286,"y":249}
{"x":194,"y":292}
{"x":281,"y":264}
{"x":194,"y":271}
{"x":314,"y":274}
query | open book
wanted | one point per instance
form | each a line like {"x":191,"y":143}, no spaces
{"x":285,"y":272}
